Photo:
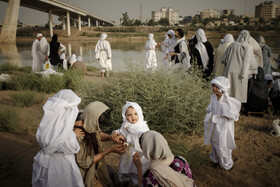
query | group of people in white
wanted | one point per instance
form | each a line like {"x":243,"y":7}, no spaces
{"x":71,"y":142}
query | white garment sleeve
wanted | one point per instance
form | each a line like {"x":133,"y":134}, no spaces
{"x":108,"y":48}
{"x":48,"y":53}
{"x":63,"y":48}
{"x":70,"y":146}
{"x":33,"y":50}
{"x":184,"y":52}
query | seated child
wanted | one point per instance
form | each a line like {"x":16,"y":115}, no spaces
{"x":132,"y":128}
{"x":222,"y":112}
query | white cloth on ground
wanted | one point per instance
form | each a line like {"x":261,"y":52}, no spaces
{"x":55,"y":165}
{"x":132,"y":133}
{"x":103,"y":52}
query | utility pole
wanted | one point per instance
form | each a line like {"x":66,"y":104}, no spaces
{"x":141,"y":13}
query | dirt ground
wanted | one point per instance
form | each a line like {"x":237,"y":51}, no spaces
{"x":256,"y":159}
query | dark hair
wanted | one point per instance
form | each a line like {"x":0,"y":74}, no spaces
{"x":90,"y":141}
{"x":54,"y":38}
{"x":180,"y":32}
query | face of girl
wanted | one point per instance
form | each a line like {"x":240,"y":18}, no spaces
{"x":131,"y":115}
{"x":215,"y":89}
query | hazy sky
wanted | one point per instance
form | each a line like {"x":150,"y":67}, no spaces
{"x":113,"y":9}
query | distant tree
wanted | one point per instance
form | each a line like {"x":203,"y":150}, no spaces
{"x":246,"y":20}
{"x":137,"y":22}
{"x":206,"y":21}
{"x":163,"y":22}
{"x":151,"y":22}
{"x":126,"y":21}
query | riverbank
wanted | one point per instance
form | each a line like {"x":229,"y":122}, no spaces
{"x":256,"y":158}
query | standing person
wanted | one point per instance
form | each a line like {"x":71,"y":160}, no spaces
{"x":44,"y":47}
{"x":266,"y":54}
{"x":222,"y":112}
{"x":132,"y":128}
{"x":204,"y":53}
{"x":151,"y":58}
{"x":180,"y":57}
{"x":54,"y":50}
{"x":55,"y":165}
{"x":258,"y":62}
{"x":165,"y":169}
{"x":104,"y":55}
{"x":37,"y":62}
{"x":165,"y":50}
{"x":219,"y":67}
{"x":91,"y":157}
{"x":238,"y":58}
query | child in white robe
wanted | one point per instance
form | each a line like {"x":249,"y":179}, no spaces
{"x":151,"y":59}
{"x":222,"y":112}
{"x":132,"y":128}
{"x":55,"y":165}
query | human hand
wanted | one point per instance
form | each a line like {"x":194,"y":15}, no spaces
{"x":78,"y":123}
{"x":108,"y":58}
{"x":79,"y":132}
{"x":173,"y":54}
{"x":118,"y":149}
{"x":118,"y":138}
{"x":137,"y":161}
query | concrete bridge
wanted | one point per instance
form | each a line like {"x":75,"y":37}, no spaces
{"x":52,"y":7}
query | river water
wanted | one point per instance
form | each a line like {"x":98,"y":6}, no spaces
{"x":123,"y":53}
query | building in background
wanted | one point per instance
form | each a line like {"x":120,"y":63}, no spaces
{"x":267,"y":10}
{"x":210,"y":13}
{"x":169,"y":13}
{"x":227,"y":12}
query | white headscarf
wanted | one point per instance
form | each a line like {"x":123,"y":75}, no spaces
{"x":228,"y":38}
{"x":201,"y":38}
{"x":261,"y":41}
{"x":156,"y":149}
{"x":101,"y":40}
{"x":222,"y":83}
{"x":141,"y":125}
{"x":73,"y":59}
{"x":79,"y":58}
{"x":39,"y":35}
{"x":244,"y":36}
{"x":172,"y":33}
{"x":103,"y":36}
{"x":151,"y":43}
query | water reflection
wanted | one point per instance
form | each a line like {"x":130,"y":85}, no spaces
{"x":123,"y":53}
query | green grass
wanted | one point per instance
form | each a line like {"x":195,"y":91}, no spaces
{"x":71,"y":80}
{"x":9,"y":119}
{"x":26,"y":98}
{"x":170,"y":102}
{"x":9,"y":68}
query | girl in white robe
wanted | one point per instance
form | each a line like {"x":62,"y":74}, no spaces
{"x":222,"y":112}
{"x":131,"y":130}
{"x":104,"y":54}
{"x":55,"y":165}
{"x":37,"y":62}
{"x":151,"y":59}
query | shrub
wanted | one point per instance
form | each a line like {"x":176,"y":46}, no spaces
{"x":26,"y":98}
{"x":70,"y":80}
{"x":170,"y":102}
{"x":9,"y":119}
{"x":9,"y":68}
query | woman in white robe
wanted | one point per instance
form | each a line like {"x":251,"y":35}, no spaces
{"x":151,"y":59}
{"x":44,"y":48}
{"x":219,"y":67}
{"x":55,"y":165}
{"x":37,"y":62}
{"x":165,"y":51}
{"x":258,"y":62}
{"x":131,"y":132}
{"x":104,"y":54}
{"x":222,"y":112}
{"x":238,"y":58}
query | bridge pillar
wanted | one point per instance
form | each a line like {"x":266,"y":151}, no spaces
{"x":96,"y":23}
{"x":69,"y":50}
{"x":88,"y":22}
{"x":79,"y":22}
{"x":68,"y":23}
{"x":50,"y":23}
{"x":63,"y":23}
{"x":9,"y":28}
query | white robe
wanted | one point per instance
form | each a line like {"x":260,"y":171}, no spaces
{"x":103,"y":51}
{"x":219,"y":128}
{"x":55,"y":165}
{"x":151,"y":59}
{"x":219,"y":67}
{"x":37,"y":63}
{"x":127,"y":170}
{"x":258,"y":62}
